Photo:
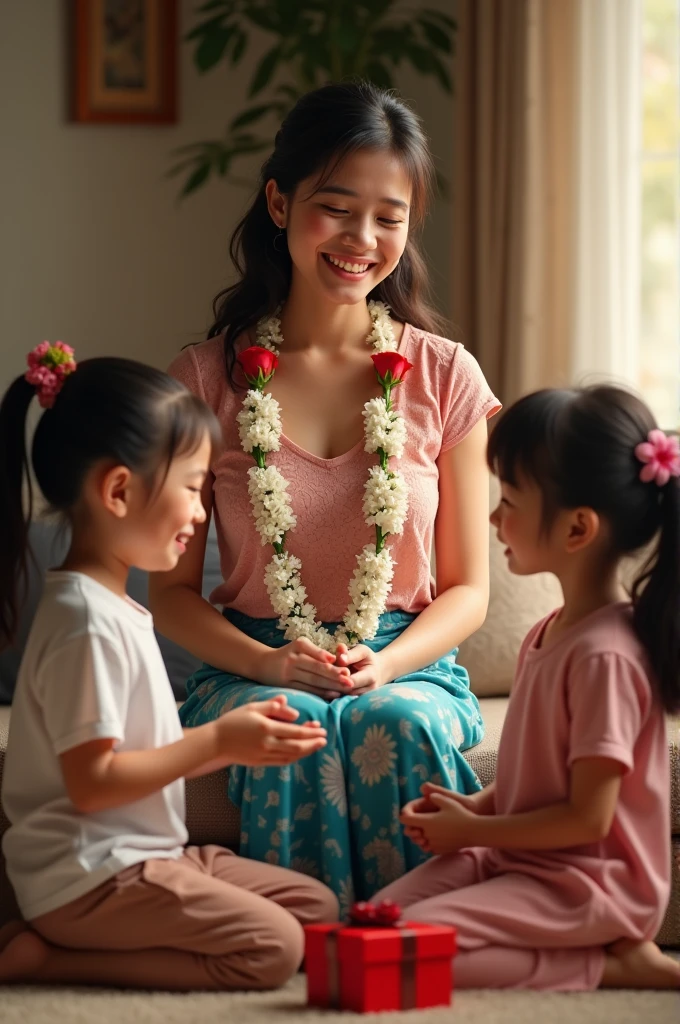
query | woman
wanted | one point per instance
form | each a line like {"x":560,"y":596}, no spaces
{"x":331,"y":227}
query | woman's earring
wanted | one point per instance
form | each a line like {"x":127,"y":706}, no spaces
{"x":277,"y":238}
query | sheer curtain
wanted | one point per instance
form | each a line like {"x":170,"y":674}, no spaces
{"x":545,"y":189}
{"x":607,"y":192}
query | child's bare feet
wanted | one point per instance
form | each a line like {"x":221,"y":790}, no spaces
{"x":639,"y":965}
{"x":22,"y":952}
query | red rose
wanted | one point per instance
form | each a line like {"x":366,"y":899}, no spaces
{"x":391,"y":368}
{"x":258,"y":365}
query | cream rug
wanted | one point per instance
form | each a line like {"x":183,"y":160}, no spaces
{"x":287,"y":1006}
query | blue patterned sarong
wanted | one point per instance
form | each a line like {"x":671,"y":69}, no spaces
{"x":335,"y":814}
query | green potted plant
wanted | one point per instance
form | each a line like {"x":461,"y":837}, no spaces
{"x":312,"y":42}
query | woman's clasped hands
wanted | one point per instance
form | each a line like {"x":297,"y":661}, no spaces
{"x":301,"y":665}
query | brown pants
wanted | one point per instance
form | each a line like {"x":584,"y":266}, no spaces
{"x":210,"y":920}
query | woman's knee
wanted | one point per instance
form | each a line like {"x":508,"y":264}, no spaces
{"x":309,"y":707}
{"x":398,"y":714}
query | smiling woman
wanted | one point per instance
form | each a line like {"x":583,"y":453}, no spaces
{"x":330,"y":271}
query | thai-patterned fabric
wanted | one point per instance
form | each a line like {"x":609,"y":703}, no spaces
{"x":335,"y":815}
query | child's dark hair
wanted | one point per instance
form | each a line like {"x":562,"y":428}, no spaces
{"x":578,"y":447}
{"x":323,"y":128}
{"x":108,"y":409}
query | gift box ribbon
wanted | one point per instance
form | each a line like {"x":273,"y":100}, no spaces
{"x":409,"y":949}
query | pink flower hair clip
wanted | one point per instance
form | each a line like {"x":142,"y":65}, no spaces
{"x":49,"y":366}
{"x":661,"y":457}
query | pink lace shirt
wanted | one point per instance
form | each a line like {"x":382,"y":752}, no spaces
{"x":442,"y":398}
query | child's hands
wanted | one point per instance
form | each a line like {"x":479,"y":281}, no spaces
{"x":438,"y":822}
{"x":469,"y":802}
{"x":261,"y":733}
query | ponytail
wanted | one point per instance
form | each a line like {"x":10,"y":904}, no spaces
{"x":110,"y":409}
{"x":16,"y":505}
{"x":580,"y":447}
{"x":656,"y":601}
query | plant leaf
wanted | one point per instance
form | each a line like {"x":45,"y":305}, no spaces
{"x":265,"y":70}
{"x":391,"y":42}
{"x":263,"y":17}
{"x":213,"y":5}
{"x":211,"y":48}
{"x":248,"y":116}
{"x":288,"y":91}
{"x":436,"y":36}
{"x":377,"y":73}
{"x":289,"y":13}
{"x":443,"y":187}
{"x":428,"y":63}
{"x":178,"y":168}
{"x":205,"y":28}
{"x":257,"y":146}
{"x":377,"y":7}
{"x":223,"y":161}
{"x":195,"y":180}
{"x":440,"y":71}
{"x":441,"y":17}
{"x":194,"y":147}
{"x":239,"y":47}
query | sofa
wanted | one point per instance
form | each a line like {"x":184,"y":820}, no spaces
{"x":516,"y":604}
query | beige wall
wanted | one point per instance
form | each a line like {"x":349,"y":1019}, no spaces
{"x":93,"y":247}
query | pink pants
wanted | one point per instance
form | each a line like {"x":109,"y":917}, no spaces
{"x":210,"y":920}
{"x":514,"y":931}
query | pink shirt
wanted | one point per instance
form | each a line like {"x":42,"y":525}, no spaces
{"x":441,"y":399}
{"x":588,"y":695}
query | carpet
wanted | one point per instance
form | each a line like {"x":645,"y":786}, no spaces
{"x":91,"y":1006}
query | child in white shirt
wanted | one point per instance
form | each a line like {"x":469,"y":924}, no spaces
{"x":96,"y":761}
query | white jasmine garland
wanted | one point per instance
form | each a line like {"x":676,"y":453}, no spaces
{"x":382,"y":335}
{"x":297,"y":617}
{"x":272,"y":511}
{"x":385,"y":504}
{"x":259,"y":422}
{"x":386,"y":500}
{"x":369,"y":589}
{"x":269,"y":335}
{"x":383,"y":429}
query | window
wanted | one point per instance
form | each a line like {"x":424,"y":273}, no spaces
{"x":660,"y":220}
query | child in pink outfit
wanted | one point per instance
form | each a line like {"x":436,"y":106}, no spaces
{"x":557,"y":875}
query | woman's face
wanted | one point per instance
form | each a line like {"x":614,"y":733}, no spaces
{"x":346,"y":238}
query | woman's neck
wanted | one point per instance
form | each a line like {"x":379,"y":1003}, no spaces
{"x":310,"y":321}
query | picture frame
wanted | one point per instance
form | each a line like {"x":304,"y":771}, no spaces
{"x":124,"y":61}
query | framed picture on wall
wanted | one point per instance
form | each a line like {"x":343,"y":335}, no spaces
{"x":124,"y":61}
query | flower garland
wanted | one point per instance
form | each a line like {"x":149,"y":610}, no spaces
{"x":385,"y":504}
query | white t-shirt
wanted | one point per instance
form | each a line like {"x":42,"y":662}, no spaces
{"x":91,"y":669}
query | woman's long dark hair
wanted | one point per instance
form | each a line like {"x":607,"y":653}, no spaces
{"x":323,"y":128}
{"x":578,"y":447}
{"x":108,"y":409}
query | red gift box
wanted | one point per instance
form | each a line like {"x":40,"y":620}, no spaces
{"x":369,"y":969}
